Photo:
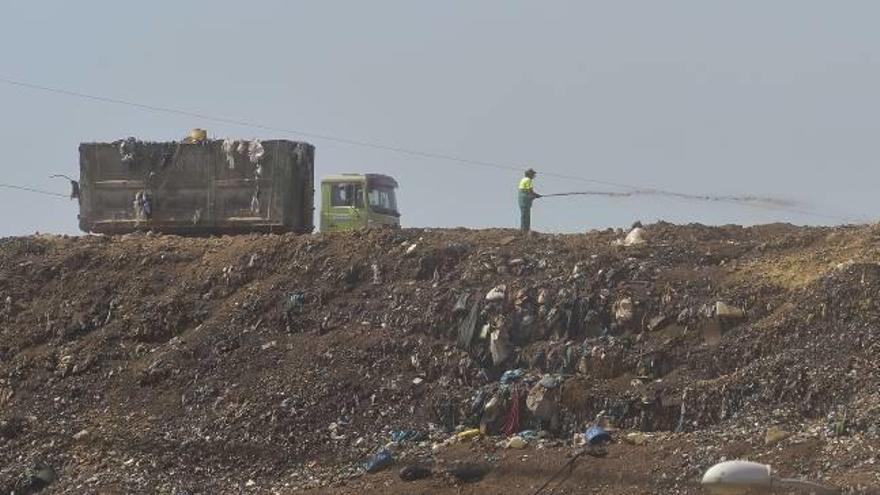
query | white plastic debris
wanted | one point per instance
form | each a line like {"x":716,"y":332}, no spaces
{"x":256,"y":151}
{"x":228,"y":148}
{"x":497,"y":293}
{"x":623,"y":310}
{"x":635,"y":237}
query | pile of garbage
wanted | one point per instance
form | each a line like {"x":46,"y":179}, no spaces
{"x":283,"y":362}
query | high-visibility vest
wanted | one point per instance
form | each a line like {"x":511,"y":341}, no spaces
{"x":525,"y":184}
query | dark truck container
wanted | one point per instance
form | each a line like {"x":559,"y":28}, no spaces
{"x":197,"y":188}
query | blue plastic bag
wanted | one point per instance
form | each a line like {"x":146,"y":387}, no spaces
{"x":596,"y":435}
{"x":511,"y":376}
{"x":378,"y":462}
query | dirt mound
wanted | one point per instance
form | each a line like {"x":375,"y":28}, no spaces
{"x":144,"y":363}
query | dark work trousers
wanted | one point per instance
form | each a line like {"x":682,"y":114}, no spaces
{"x":525,"y":209}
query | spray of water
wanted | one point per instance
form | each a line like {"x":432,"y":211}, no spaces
{"x":748,"y":199}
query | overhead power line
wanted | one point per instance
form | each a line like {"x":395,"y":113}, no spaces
{"x":767,"y":203}
{"x":34,"y":190}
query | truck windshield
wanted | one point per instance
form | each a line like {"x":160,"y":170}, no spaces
{"x":381,"y":199}
{"x":346,"y":195}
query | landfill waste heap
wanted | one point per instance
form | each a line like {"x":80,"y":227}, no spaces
{"x":438,"y":361}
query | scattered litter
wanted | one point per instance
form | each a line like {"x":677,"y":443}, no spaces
{"x":528,"y":370}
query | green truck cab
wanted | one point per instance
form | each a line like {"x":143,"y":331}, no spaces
{"x":358,"y":201}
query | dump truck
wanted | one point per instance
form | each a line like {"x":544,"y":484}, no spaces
{"x":358,"y":201}
{"x":200,"y":186}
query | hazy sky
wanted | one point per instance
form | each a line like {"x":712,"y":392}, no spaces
{"x":731,"y":97}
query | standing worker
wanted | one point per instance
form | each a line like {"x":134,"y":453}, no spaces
{"x":527,"y":194}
